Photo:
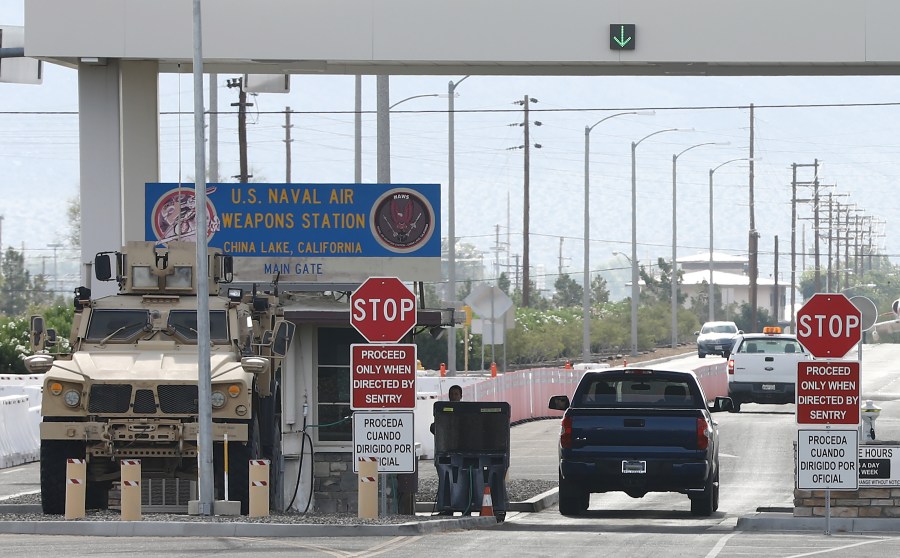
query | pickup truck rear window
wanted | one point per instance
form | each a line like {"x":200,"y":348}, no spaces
{"x":769,"y":345}
{"x":636,"y":391}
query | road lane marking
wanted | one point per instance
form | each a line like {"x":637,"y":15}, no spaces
{"x":720,"y":544}
{"x":844,"y":547}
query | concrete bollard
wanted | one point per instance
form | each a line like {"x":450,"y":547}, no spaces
{"x":75,"y":488}
{"x":131,"y":489}
{"x":259,"y":488}
{"x":368,"y":488}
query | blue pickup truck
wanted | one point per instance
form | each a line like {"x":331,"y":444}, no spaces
{"x":638,"y":430}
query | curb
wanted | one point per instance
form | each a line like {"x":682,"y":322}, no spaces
{"x":229,"y":529}
{"x":536,"y":504}
{"x":769,"y":521}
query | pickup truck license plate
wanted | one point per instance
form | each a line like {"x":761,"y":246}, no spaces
{"x":634,"y":467}
{"x":768,"y":387}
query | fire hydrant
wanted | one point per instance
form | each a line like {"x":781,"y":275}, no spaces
{"x":870,"y":412}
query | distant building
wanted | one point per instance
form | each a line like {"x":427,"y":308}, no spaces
{"x":730,"y":276}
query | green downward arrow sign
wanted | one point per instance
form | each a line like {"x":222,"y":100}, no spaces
{"x":621,"y":40}
{"x":622,"y":36}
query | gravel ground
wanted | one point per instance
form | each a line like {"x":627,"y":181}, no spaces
{"x":517,"y":490}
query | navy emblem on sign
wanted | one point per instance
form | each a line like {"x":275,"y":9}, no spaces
{"x":402,"y":220}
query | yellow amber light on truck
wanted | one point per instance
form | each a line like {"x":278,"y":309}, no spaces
{"x":234,"y":390}
{"x":55,"y":388}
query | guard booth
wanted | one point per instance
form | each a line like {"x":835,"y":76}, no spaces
{"x":471,"y":442}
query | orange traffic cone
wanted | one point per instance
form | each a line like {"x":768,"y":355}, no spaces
{"x":487,"y":504}
{"x":493,"y":370}
{"x":568,"y":365}
{"x":443,"y":370}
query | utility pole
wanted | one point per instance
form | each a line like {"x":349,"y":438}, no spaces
{"x":526,"y":285}
{"x":560,"y":264}
{"x":753,"y":237}
{"x":242,"y":105}
{"x":526,"y":282}
{"x":55,"y":246}
{"x":793,"y":245}
{"x":287,"y":144}
{"x":847,"y":249}
{"x":818,"y":268}
{"x":517,"y":271}
{"x":828,"y":280}
{"x":214,"y":127}
{"x":777,"y":289}
{"x":497,"y":247}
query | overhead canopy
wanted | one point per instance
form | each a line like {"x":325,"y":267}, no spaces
{"x":528,"y":37}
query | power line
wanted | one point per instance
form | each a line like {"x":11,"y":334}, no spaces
{"x":510,"y":110}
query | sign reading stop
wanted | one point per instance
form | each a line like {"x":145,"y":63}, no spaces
{"x":383,"y":309}
{"x":829,"y":325}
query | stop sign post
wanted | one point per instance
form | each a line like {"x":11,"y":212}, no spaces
{"x":829,"y":325}
{"x":383,"y":310}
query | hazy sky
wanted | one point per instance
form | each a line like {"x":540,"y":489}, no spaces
{"x":858,"y":144}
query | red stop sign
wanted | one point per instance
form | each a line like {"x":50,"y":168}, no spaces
{"x":383,"y":309}
{"x":829,"y":325}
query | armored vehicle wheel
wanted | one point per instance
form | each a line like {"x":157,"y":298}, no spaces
{"x":54,"y":454}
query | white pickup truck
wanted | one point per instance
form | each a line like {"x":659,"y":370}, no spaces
{"x":762,"y":367}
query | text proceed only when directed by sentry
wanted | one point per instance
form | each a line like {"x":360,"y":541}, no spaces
{"x":828,"y":392}
{"x":382,"y":376}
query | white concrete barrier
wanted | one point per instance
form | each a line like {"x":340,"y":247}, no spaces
{"x":20,"y":418}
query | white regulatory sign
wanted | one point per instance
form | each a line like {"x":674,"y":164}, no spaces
{"x":388,"y":437}
{"x":879,"y":465}
{"x":827,"y":459}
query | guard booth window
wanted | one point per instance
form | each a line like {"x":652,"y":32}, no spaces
{"x":333,"y":383}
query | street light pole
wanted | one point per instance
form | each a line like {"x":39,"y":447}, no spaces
{"x":674,"y":277}
{"x":635,"y":292}
{"x":711,"y":301}
{"x":451,"y":226}
{"x":586,"y":297}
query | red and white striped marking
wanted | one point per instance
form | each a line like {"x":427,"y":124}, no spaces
{"x":259,"y":462}
{"x":75,"y":461}
{"x":367,"y":479}
{"x":74,"y":481}
{"x":131,"y":462}
{"x":367,"y":459}
{"x":259,"y":483}
{"x":131,"y":483}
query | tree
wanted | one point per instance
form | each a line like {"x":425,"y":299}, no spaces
{"x":503,"y":282}
{"x":599,"y":290}
{"x":700,"y":303}
{"x":14,"y":344}
{"x":14,"y":292}
{"x":660,"y":287}
{"x":73,"y":213}
{"x":568,"y":293}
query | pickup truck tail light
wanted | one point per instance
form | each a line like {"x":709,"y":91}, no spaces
{"x":703,"y":433}
{"x":731,"y":366}
{"x":565,"y":433}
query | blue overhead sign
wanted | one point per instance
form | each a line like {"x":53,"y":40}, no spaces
{"x":308,"y":232}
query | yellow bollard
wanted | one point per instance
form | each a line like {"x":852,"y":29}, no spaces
{"x":75,"y":488}
{"x":259,"y":488}
{"x":131,"y":489}
{"x":368,"y":488}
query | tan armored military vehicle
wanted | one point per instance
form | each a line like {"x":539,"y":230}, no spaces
{"x":129,"y":387}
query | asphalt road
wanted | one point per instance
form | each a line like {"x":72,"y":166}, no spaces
{"x":757,"y":472}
